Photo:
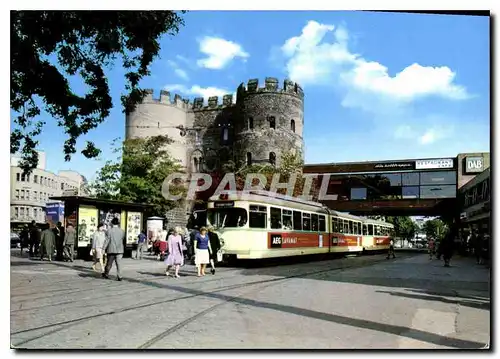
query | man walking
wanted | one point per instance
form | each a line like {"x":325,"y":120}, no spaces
{"x":59,"y":241}
{"x":69,"y":242}
{"x":142,"y":245}
{"x":114,"y":247}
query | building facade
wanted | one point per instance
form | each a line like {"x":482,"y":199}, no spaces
{"x":475,"y":203}
{"x":261,"y":125}
{"x":29,"y":194}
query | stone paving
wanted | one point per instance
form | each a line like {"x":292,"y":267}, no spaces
{"x":351,"y":303}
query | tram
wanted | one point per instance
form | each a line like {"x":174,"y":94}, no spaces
{"x":261,"y":224}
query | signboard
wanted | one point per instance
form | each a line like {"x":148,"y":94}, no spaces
{"x":87,"y":224}
{"x":474,"y":164}
{"x":434,"y":164}
{"x":292,"y":240}
{"x":395,"y":166}
{"x":229,"y":204}
{"x":134,"y":223}
{"x":54,"y":212}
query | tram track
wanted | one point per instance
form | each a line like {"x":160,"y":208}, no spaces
{"x":59,"y":326}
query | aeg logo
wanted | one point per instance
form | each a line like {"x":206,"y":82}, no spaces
{"x":276,"y":240}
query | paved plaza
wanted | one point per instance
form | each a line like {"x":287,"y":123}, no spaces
{"x":362,"y":302}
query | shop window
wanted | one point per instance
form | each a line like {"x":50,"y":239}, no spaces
{"x":438,"y":178}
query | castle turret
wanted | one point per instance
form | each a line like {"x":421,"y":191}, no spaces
{"x":271,"y":120}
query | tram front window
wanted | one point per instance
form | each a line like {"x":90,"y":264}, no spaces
{"x":227,"y":217}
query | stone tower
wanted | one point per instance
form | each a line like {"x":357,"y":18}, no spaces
{"x":258,"y":128}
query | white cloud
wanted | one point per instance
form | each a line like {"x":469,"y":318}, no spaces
{"x":220,"y":52}
{"x":312,"y":59}
{"x":177,"y":70}
{"x":196,"y":90}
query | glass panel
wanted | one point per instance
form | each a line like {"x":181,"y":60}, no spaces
{"x":365,"y":229}
{"x":341,"y":225}
{"x":314,"y":222}
{"x":370,"y":229}
{"x":411,"y":179}
{"x":432,"y":178}
{"x":358,"y":193}
{"x":346,"y":226}
{"x":306,"y":221}
{"x":322,"y":224}
{"x":258,"y":219}
{"x":411,"y":192}
{"x":297,"y":220}
{"x":438,"y":191}
{"x":393,"y":178}
{"x":351,"y":227}
{"x":287,"y":219}
{"x":275,"y":218}
{"x":229,"y":217}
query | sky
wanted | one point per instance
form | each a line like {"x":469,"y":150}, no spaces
{"x":378,"y":86}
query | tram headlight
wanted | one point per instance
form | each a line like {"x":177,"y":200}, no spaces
{"x":222,"y":242}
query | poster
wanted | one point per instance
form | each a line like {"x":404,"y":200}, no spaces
{"x":107,"y":215}
{"x":87,"y":224}
{"x":134,"y":222}
{"x":123,"y":221}
{"x":54,"y":212}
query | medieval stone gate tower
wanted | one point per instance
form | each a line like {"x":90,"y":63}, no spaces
{"x":258,"y":127}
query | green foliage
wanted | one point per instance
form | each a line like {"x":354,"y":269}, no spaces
{"x":404,"y":227}
{"x":139,"y":174}
{"x":435,"y":228}
{"x":84,"y":43}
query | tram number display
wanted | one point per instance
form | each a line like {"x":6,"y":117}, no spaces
{"x":276,"y":240}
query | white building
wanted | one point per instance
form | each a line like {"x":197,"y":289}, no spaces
{"x":30,"y":194}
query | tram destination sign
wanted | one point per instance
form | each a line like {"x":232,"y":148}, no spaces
{"x":434,"y":164}
{"x":226,"y":204}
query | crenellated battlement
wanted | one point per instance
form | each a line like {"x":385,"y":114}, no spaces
{"x":166,"y":99}
{"x":213,"y":103}
{"x":271,"y":84}
{"x":197,"y":105}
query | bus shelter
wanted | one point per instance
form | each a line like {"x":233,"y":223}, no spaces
{"x":86,"y":213}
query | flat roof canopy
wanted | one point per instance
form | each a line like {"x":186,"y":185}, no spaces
{"x":101,"y":202}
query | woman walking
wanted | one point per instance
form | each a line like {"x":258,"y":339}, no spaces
{"x":175,"y":256}
{"x":202,"y":256}
{"x":98,"y":239}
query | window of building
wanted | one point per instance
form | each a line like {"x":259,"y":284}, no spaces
{"x":297,"y":220}
{"x":225,"y":134}
{"x":358,"y":193}
{"x":62,"y":186}
{"x":272,"y":122}
{"x":411,"y":192}
{"x":447,"y":191}
{"x":306,"y":221}
{"x":393,"y":178}
{"x":27,"y":177}
{"x":35,"y":195}
{"x":314,"y":222}
{"x":28,"y":194}
{"x":292,"y":125}
{"x":18,"y":177}
{"x":411,"y":179}
{"x":16,"y":211}
{"x":287,"y":219}
{"x":272,"y":158}
{"x":250,"y":123}
{"x":322,"y":223}
{"x":17,"y":194}
{"x":438,"y":178}
{"x":23,"y":178}
{"x":22,"y":194}
{"x":35,"y":178}
{"x":249,"y":159}
{"x":35,"y":213}
{"x":21,"y":211}
{"x":258,"y":217}
{"x":275,"y":218}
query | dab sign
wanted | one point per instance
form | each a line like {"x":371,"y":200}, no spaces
{"x":474,"y":164}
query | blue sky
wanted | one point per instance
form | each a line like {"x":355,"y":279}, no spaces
{"x":377,"y":85}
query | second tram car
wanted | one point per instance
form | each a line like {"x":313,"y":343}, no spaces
{"x":260,"y":224}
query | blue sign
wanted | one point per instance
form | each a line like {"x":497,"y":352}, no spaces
{"x":54,"y":212}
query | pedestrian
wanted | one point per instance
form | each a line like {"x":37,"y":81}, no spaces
{"x":391,"y":249}
{"x":431,"y":246}
{"x":162,"y":245}
{"x":142,"y":245}
{"x":114,"y":246}
{"x":47,"y":241}
{"x":98,"y":240}
{"x":24,"y":236}
{"x":447,"y":245}
{"x":192,"y":239}
{"x":34,"y":241}
{"x":214,"y":246}
{"x":478,"y":246}
{"x":69,"y":242}
{"x":175,"y":256}
{"x":59,"y":241}
{"x":202,"y":254}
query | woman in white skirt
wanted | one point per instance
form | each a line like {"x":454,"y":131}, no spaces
{"x":202,"y":256}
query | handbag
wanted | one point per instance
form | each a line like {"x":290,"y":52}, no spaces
{"x":219,"y":256}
